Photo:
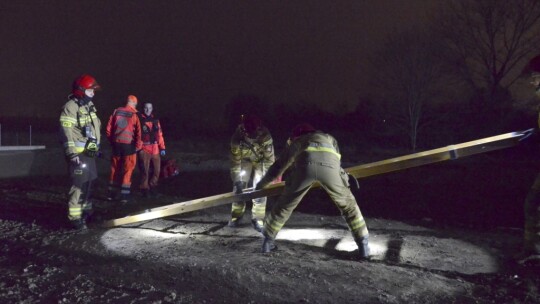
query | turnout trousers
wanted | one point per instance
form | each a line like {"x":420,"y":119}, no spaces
{"x":333,"y":180}
{"x":258,"y":210}
{"x":81,"y":177}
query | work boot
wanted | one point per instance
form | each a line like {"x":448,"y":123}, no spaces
{"x":363,"y":248}
{"x":124,"y":198}
{"x":268,"y":245}
{"x":234,"y":222}
{"x":112,"y":196}
{"x":257,"y":225}
{"x":79,"y":224}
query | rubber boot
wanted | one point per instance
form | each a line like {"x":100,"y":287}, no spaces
{"x":234,"y":222}
{"x":268,"y":245}
{"x":79,"y":224}
{"x":363,"y":247}
{"x":257,"y":224}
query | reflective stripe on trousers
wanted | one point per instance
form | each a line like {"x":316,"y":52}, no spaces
{"x":333,"y":180}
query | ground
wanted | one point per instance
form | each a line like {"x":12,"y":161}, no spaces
{"x":439,"y":246}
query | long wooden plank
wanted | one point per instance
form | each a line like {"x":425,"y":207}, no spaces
{"x":381,"y":167}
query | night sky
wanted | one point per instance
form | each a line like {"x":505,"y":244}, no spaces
{"x":192,"y":57}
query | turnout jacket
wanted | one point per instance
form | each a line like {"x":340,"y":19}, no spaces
{"x":316,"y":147}
{"x":258,"y":151}
{"x":78,"y":123}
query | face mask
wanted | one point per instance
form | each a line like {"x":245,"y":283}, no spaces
{"x":89,"y":92}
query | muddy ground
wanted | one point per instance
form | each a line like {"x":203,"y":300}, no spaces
{"x":442,"y":233}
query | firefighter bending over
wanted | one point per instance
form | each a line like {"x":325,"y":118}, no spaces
{"x":252,"y":153}
{"x":80,"y":135}
{"x":313,"y":157}
{"x":124,"y":135}
{"x":153,"y":147}
{"x":531,"y":241}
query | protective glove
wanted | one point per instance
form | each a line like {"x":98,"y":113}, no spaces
{"x":75,"y":160}
{"x":162,"y":152}
{"x":239,"y":186}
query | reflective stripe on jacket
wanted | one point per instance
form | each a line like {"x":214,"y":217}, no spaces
{"x":315,"y":147}
{"x":257,"y":151}
{"x":77,"y":124}
{"x":124,"y":127}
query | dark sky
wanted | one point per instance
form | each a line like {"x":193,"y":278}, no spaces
{"x":193,"y":55}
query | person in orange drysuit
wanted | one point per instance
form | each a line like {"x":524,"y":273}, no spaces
{"x":124,"y":135}
{"x":153,"y":147}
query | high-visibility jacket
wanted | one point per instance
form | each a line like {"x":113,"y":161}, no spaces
{"x":78,"y":123}
{"x":316,"y":147}
{"x":152,"y":135}
{"x":256,"y":151}
{"x":124,"y":128}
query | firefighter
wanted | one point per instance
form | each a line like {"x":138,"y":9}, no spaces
{"x":252,"y":153}
{"x":124,"y":135}
{"x":313,"y":156}
{"x":80,"y":136}
{"x":153,"y":147}
{"x":531,"y":240}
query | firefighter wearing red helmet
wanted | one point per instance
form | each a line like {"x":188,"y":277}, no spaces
{"x":316,"y":158}
{"x":124,"y":134}
{"x":530,"y":252}
{"x":251,"y":154}
{"x":80,"y":135}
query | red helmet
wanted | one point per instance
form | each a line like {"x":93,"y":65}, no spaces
{"x":301,"y":129}
{"x":83,"y":83}
{"x":251,"y":124}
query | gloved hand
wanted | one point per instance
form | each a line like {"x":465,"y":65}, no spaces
{"x":75,"y":160}
{"x":162,"y":152}
{"x":239,"y":186}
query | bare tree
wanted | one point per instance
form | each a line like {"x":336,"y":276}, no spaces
{"x":488,"y":40}
{"x":409,"y":77}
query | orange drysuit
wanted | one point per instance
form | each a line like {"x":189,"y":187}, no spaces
{"x":153,"y":143}
{"x":124,"y":135}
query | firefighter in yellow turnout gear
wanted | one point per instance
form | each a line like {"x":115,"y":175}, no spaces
{"x":313,"y":156}
{"x":80,"y":136}
{"x":251,"y":154}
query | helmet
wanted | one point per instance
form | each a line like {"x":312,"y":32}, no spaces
{"x":83,"y":83}
{"x":301,"y":129}
{"x":251,"y":124}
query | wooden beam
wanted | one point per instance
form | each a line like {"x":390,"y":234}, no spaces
{"x":381,"y":167}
